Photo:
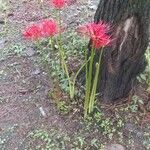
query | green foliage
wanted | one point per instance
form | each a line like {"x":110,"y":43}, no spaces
{"x":74,"y":49}
{"x":78,"y":143}
{"x":145,"y":76}
{"x":106,"y":125}
{"x":17,"y":49}
{"x":148,"y":69}
{"x":63,"y":107}
{"x":146,"y":142}
{"x":74,"y":45}
{"x":133,"y":107}
{"x":53,"y":140}
{"x":49,"y":141}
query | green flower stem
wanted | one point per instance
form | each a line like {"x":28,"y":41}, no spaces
{"x":88,"y":81}
{"x":62,"y":59}
{"x":86,"y":87}
{"x":71,"y":84}
{"x":65,"y":68}
{"x":59,"y":21}
{"x":59,"y":42}
{"x":37,"y":43}
{"x":74,"y":80}
{"x":63,"y":63}
{"x":92,"y":96}
{"x":91,"y":65}
{"x":69,"y":81}
{"x":51,"y":43}
{"x":94,"y":88}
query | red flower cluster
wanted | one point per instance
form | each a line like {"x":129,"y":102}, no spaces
{"x":97,"y":32}
{"x":32,"y":32}
{"x":49,"y":28}
{"x":46,"y":28}
{"x":59,"y":4}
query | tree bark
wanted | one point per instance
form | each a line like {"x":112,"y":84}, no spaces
{"x":124,"y":59}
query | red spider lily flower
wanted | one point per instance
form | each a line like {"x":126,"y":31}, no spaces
{"x":58,"y":4}
{"x":32,"y":32}
{"x":48,"y":28}
{"x":101,"y":41}
{"x":97,"y":32}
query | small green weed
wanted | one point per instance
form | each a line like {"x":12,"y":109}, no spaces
{"x":63,"y":107}
{"x":47,"y":141}
{"x":133,"y":107}
{"x":78,"y":142}
{"x":54,"y":140}
{"x":2,"y":99}
{"x":107,"y":125}
{"x":17,"y":49}
{"x":146,"y":142}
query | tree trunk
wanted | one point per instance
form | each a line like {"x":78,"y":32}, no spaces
{"x":124,"y":59}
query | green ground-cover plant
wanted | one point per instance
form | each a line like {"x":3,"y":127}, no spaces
{"x":145,"y":76}
{"x":54,"y":140}
{"x":148,"y":69}
{"x":111,"y":128}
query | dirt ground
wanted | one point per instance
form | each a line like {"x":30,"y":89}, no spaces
{"x":24,"y":86}
{"x":24,"y":103}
